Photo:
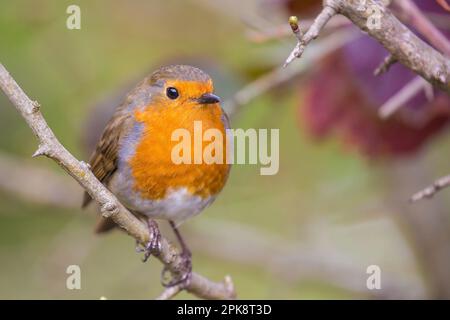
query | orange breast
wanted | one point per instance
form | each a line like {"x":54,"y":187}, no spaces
{"x":152,"y":167}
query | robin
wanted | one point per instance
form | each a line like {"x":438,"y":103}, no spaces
{"x":134,"y":155}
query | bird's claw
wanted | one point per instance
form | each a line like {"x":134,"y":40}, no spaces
{"x":154,"y":245}
{"x":185,"y":273}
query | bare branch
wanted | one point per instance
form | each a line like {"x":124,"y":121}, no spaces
{"x":411,"y":14}
{"x":385,"y":65}
{"x":110,"y":206}
{"x":313,"y":32}
{"x":398,"y":100}
{"x":430,"y":191}
{"x":399,"y":40}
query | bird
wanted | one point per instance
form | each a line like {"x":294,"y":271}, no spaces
{"x":133,"y":157}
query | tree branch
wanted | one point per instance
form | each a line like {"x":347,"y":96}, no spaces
{"x":110,"y":206}
{"x":399,"y":40}
{"x":410,"y":13}
{"x":313,"y":32}
{"x":430,"y":191}
{"x":405,"y":94}
{"x":385,"y":65}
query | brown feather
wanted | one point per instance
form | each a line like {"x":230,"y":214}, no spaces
{"x":103,"y":161}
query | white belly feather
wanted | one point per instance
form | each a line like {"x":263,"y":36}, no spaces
{"x":178,"y":205}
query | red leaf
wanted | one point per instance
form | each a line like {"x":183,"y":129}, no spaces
{"x":444,"y":4}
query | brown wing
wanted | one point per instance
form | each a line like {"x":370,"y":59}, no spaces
{"x":103,"y":161}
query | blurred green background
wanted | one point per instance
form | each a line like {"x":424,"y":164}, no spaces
{"x":308,"y":232}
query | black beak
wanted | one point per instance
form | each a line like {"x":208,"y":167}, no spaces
{"x":208,"y":98}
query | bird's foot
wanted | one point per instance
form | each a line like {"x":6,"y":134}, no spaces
{"x":185,"y":272}
{"x":154,"y":245}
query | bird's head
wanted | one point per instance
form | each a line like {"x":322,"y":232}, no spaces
{"x":183,"y":86}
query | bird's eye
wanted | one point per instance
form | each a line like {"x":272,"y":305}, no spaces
{"x":172,"y":93}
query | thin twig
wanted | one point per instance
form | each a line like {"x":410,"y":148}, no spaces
{"x":385,"y":65}
{"x":405,"y":94}
{"x":313,"y":32}
{"x":430,"y":191}
{"x":110,"y":206}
